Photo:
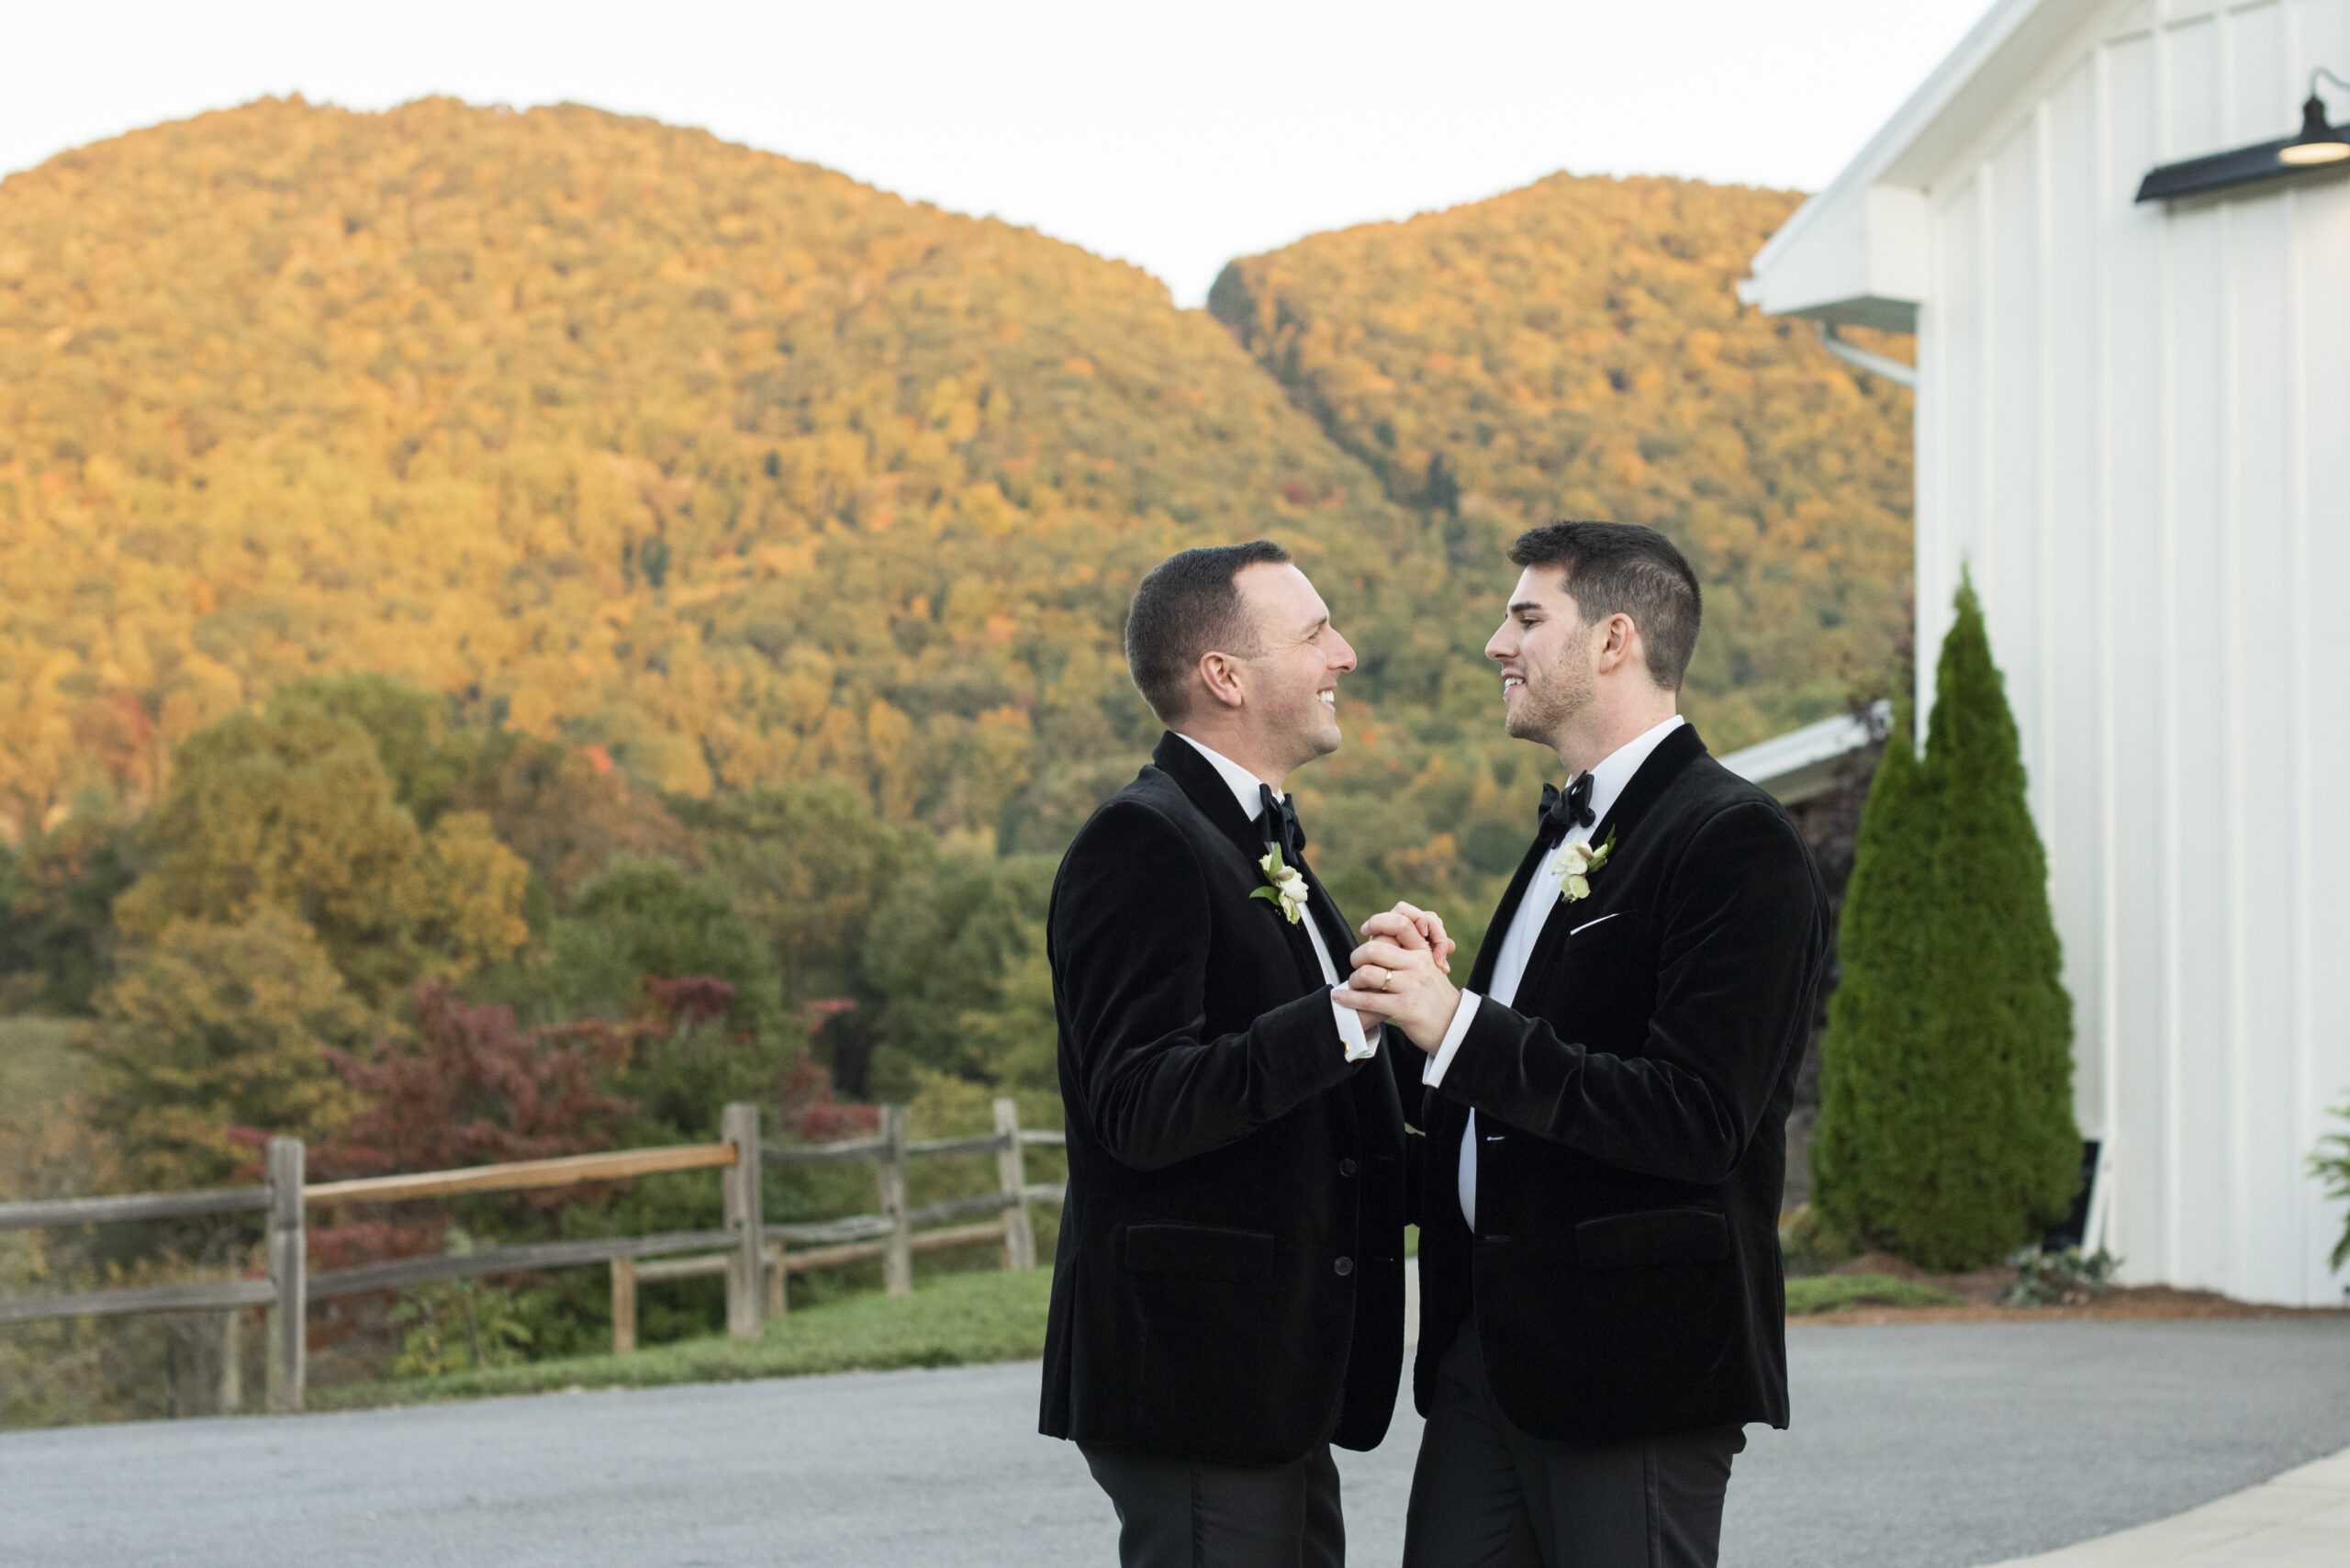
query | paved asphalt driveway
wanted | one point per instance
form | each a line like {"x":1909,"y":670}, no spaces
{"x":1933,"y":1446}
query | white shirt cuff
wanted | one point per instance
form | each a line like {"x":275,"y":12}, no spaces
{"x":1457,"y":1031}
{"x":1358,"y":1045}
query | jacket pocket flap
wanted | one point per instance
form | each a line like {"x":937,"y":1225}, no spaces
{"x":1200,"y":1251}
{"x":1656,"y":1236}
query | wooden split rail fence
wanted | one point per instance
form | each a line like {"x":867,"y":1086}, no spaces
{"x":749,"y":1252}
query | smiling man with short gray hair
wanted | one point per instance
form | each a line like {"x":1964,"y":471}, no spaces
{"x":1228,"y":1294}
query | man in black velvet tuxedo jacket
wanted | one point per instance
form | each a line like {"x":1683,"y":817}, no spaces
{"x":1228,"y":1296}
{"x":1602,"y":1309}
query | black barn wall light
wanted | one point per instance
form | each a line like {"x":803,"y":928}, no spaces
{"x":2318,"y":144}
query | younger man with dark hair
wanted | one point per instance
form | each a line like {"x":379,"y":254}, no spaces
{"x":1601,"y":1307}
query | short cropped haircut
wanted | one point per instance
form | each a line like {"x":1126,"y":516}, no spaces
{"x":1188,"y":606}
{"x":1622,"y":568}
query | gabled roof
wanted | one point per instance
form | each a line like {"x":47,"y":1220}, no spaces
{"x":1855,"y":252}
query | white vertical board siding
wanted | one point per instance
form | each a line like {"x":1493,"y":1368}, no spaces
{"x":2075,"y":569}
{"x":2266,"y":884}
{"x":2134,"y":430}
{"x":2319,"y":30}
{"x":2142,"y":1109}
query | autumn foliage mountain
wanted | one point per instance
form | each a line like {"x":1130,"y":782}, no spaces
{"x":738,"y":472}
{"x":733,"y":468}
{"x":1576,"y":349}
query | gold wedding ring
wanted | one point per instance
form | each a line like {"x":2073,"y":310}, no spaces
{"x":1386,"y":979}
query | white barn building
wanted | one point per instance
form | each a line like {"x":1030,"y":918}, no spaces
{"x":2133,"y":424}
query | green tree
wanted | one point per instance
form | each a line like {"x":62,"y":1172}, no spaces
{"x":2000,"y":982}
{"x":210,"y":1028}
{"x":644,"y":922}
{"x":424,"y":759}
{"x":646,"y":919}
{"x":57,"y":914}
{"x":1946,"y":1125}
{"x":806,"y":865}
{"x":939,"y":950}
{"x":567,"y":813}
{"x":294,"y":810}
{"x":1874,"y":1097}
{"x":1016,"y":1042}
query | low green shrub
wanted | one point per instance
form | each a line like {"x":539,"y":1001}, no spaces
{"x":1810,"y":1243}
{"x":2330,"y":1164}
{"x":2059,"y":1279}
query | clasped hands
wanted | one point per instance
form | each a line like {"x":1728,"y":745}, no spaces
{"x":1399,"y":975}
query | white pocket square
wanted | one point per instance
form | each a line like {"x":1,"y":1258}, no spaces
{"x":1587,"y":925}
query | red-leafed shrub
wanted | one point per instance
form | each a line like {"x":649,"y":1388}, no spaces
{"x":812,"y":1114}
{"x":470,"y":1087}
{"x":690,"y":999}
{"x":474,"y":1088}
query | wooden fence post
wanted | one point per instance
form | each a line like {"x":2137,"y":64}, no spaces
{"x":1012,"y":1171}
{"x":623,"y":1305}
{"x":739,"y":1125}
{"x":898,"y":1258}
{"x":778,"y":1284}
{"x":288,"y":1258}
{"x":232,"y":1359}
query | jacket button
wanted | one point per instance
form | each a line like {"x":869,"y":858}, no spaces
{"x":1347,"y":1168}
{"x":1345,"y":1266}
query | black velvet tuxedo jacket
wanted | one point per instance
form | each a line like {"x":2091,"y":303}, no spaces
{"x":1631,"y":1111}
{"x":1229,"y":1286}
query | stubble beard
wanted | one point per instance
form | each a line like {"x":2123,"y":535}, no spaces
{"x":1545,"y":707}
{"x":1308,"y":733}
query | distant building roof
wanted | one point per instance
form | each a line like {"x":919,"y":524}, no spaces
{"x":1802,"y":763}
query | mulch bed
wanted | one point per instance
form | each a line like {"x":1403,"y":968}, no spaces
{"x":1984,"y":1287}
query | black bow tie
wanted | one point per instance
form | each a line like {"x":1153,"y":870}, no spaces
{"x":1561,"y":815}
{"x":1278,"y":823}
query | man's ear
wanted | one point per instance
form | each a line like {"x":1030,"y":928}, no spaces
{"x":1621,"y":643}
{"x":1220,"y":673}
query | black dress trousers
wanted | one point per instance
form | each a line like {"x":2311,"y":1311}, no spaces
{"x":1182,"y":1513}
{"x":1487,"y":1495}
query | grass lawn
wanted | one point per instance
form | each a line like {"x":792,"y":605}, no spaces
{"x":948,"y":1321}
{"x":1834,"y":1292}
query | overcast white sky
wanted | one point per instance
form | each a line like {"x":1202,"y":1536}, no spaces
{"x":1175,"y":136}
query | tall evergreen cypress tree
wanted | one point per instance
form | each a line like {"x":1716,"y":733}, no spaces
{"x":1946,"y":1121}
{"x":1869,"y":1058}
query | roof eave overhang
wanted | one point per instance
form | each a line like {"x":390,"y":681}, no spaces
{"x":1870,"y":311}
{"x":1853,"y":255}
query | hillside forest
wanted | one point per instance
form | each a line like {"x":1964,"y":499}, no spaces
{"x":521,"y":627}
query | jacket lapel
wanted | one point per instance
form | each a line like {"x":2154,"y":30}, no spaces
{"x":1673,"y":754}
{"x":1205,"y":788}
{"x":1182,"y":761}
{"x":1641,"y":791}
{"x":1323,"y":911}
{"x":1447,"y":1119}
{"x":1489,"y":951}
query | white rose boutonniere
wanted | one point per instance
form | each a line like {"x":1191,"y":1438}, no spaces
{"x":1575,"y":864}
{"x":1284,"y":886}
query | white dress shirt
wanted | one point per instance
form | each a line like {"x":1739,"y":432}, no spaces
{"x":1244,"y":785}
{"x":1541,"y":895}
